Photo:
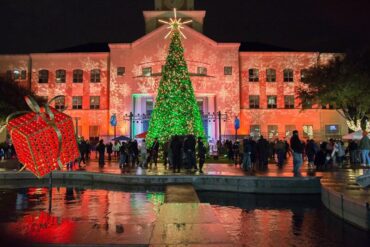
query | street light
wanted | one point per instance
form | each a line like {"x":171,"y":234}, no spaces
{"x":216,"y":116}
{"x":132,"y":118}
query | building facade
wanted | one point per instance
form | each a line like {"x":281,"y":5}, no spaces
{"x":258,"y":87}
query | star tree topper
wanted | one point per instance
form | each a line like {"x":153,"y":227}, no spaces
{"x":175,"y":25}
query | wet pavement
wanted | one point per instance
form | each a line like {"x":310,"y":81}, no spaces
{"x":341,"y":180}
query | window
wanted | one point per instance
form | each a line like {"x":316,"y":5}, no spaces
{"x":288,"y":75}
{"x":94,"y":102}
{"x":307,"y":131}
{"x":332,"y":129}
{"x":60,"y":76}
{"x":9,"y":75}
{"x":303,"y":74}
{"x":16,"y":74}
{"x":271,"y":75}
{"x":77,"y":76}
{"x":94,"y":133}
{"x":202,"y":71}
{"x":95,"y":75}
{"x":272,"y":131}
{"x":77,"y":102}
{"x":147,"y":71}
{"x":255,"y":130}
{"x":271,"y":102}
{"x":254,"y":101}
{"x":43,"y":76}
{"x":60,"y":103}
{"x":289,"y":130}
{"x":121,"y":71}
{"x":289,"y":101}
{"x":253,"y":75}
{"x":228,"y":70}
{"x":23,"y":75}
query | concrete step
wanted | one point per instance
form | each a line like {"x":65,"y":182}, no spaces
{"x":181,"y":193}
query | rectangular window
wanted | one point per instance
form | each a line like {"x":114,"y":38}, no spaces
{"x":95,"y":75}
{"x":228,"y":70}
{"x":271,"y":102}
{"x":94,"y":133}
{"x":77,"y":76}
{"x":17,"y":74}
{"x":254,"y":101}
{"x":289,"y":130}
{"x":147,"y":71}
{"x":288,"y":75}
{"x":271,"y":75}
{"x":60,"y":103}
{"x":202,"y":71}
{"x":77,"y":102}
{"x":272,"y":131}
{"x":253,"y":75}
{"x":43,"y":76}
{"x":94,"y":102}
{"x":149,"y":106}
{"x":255,"y":130}
{"x":23,"y":74}
{"x":60,"y":76}
{"x":121,"y":71}
{"x":332,"y":129}
{"x":289,"y":101}
{"x":307,"y":131}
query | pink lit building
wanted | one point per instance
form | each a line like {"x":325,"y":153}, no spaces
{"x":258,"y":87}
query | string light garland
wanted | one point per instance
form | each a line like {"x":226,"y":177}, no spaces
{"x":176,"y":111}
{"x":175,"y":25}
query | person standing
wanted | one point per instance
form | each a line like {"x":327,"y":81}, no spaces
{"x":116,"y":148}
{"x":101,"y":150}
{"x":189,"y":149}
{"x":365,"y":149}
{"x":236,"y":155}
{"x":247,"y":151}
{"x":280,"y":152}
{"x":176,"y":148}
{"x":154,"y":153}
{"x":311,"y":149}
{"x":143,"y":154}
{"x":262,"y":151}
{"x":81,"y":149}
{"x":352,"y":150}
{"x":122,"y":154}
{"x":110,"y":150}
{"x":165,"y":153}
{"x":297,"y":147}
{"x":201,"y":154}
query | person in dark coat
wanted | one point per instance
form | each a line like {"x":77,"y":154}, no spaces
{"x":321,"y":157}
{"x":247,"y":152}
{"x":297,"y":147}
{"x":154,"y":153}
{"x":109,"y":150}
{"x":189,"y":150}
{"x":135,"y":153}
{"x":82,"y":150}
{"x":280,"y":152}
{"x":262,"y":152}
{"x":310,"y":150}
{"x":176,"y":149}
{"x":166,"y":147}
{"x":201,"y":148}
{"x":101,"y":150}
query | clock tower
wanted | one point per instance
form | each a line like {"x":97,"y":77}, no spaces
{"x":164,"y":10}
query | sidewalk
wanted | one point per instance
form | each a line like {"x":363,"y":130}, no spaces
{"x":340,"y":180}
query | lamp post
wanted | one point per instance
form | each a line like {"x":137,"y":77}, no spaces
{"x":135,"y":117}
{"x":216,"y":116}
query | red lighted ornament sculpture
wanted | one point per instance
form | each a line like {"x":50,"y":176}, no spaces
{"x":43,"y":139}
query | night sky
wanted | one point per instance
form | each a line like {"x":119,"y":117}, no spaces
{"x":307,"y":25}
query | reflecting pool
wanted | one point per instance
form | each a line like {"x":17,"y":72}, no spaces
{"x":282,"y":220}
{"x":77,"y":215}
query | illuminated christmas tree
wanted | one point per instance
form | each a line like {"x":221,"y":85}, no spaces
{"x":176,"y":111}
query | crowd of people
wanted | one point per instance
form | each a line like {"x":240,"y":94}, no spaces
{"x":179,"y":152}
{"x":250,"y":153}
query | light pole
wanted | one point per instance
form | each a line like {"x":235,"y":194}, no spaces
{"x":216,"y":116}
{"x":132,"y":118}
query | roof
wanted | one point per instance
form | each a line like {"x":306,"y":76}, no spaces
{"x":257,"y":46}
{"x":89,"y":47}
